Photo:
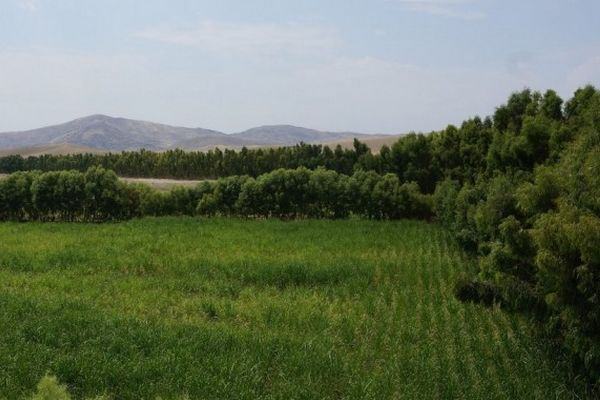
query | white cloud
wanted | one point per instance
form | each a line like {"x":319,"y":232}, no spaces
{"x":29,"y":5}
{"x":445,"y":8}
{"x":247,"y":39}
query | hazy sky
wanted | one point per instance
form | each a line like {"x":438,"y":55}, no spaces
{"x":386,"y":66}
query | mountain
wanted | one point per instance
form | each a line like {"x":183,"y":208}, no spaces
{"x":107,"y":133}
{"x":51,"y":149}
{"x":286,"y":135}
{"x":104,"y":133}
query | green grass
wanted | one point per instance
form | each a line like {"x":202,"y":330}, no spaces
{"x":218,"y":308}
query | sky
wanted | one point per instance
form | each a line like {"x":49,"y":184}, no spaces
{"x":373,"y":66}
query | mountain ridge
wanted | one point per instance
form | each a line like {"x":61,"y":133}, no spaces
{"x":107,"y":133}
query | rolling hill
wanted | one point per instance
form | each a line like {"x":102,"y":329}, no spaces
{"x":107,"y":133}
{"x":104,"y":133}
{"x":284,"y":135}
{"x":52,"y":149}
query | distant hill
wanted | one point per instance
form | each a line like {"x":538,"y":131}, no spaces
{"x":107,"y":133}
{"x":53,"y":149}
{"x":98,"y":133}
{"x":285,"y":135}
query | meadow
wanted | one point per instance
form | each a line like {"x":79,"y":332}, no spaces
{"x":256,"y":309}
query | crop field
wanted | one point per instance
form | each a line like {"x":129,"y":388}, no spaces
{"x":226,"y":308}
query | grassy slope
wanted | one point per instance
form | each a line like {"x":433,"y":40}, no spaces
{"x":254,"y":309}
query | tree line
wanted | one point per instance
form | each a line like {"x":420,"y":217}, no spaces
{"x":413,"y":158}
{"x":179,"y":164}
{"x":98,"y":195}
{"x":531,"y":213}
{"x":462,"y":153}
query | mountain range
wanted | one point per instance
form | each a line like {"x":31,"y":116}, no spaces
{"x":104,"y":133}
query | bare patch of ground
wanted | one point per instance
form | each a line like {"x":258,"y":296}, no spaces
{"x":162,"y":184}
{"x":159,"y":184}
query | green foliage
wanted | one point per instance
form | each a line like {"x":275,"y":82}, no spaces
{"x":509,"y":117}
{"x":303,"y":193}
{"x":444,"y":201}
{"x":568,"y":261}
{"x":468,"y":290}
{"x":49,"y":389}
{"x":460,"y":153}
{"x":96,"y":195}
{"x":412,"y":161}
{"x":16,"y":200}
{"x":225,"y":308}
{"x":534,"y":217}
{"x":200,"y":165}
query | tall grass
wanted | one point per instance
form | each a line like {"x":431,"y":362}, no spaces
{"x":225,"y":308}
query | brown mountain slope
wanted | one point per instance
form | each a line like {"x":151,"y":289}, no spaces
{"x":53,"y":149}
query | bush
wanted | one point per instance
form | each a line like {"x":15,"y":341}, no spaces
{"x":49,"y":389}
{"x":473,"y":291}
{"x":534,"y":216}
{"x":444,"y":201}
{"x":16,"y":200}
{"x":97,"y":196}
{"x":303,"y":193}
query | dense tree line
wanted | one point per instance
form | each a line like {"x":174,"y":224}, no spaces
{"x":304,"y":193}
{"x":181,"y":164}
{"x":530,"y":209}
{"x":424,"y":159}
{"x":98,"y":195}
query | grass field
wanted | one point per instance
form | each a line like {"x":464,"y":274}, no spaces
{"x":218,"y":308}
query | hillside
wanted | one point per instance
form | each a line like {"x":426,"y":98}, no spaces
{"x":101,"y":132}
{"x":290,"y":135}
{"x":52,"y":149}
{"x":108,"y":133}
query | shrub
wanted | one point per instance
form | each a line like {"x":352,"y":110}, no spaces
{"x":468,"y":290}
{"x":49,"y":389}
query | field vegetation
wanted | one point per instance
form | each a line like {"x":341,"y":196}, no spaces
{"x":227,"y":308}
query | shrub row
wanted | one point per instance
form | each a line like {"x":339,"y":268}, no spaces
{"x":296,"y":193}
{"x":98,"y":195}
